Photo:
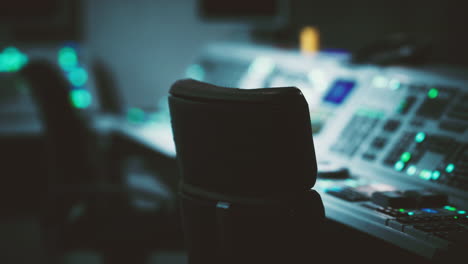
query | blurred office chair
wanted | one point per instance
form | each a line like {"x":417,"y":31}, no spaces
{"x":87,"y":205}
{"x":109,"y":98}
{"x":248,"y":165}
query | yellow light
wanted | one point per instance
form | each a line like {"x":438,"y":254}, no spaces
{"x":309,"y":40}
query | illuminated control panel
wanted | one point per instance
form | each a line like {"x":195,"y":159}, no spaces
{"x":398,"y":138}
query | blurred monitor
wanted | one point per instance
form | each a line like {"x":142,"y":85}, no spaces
{"x":259,"y":13}
{"x":39,"y":20}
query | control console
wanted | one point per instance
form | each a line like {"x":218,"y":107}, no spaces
{"x":391,"y":142}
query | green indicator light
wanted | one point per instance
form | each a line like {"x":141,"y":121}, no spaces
{"x":12,"y":60}
{"x":405,"y":157}
{"x":411,"y":170}
{"x":450,"y":168}
{"x":402,"y":210}
{"x":136,"y":115}
{"x":195,"y":71}
{"x":67,"y":58}
{"x":455,"y":217}
{"x":399,"y":165}
{"x":410,"y":213}
{"x":394,"y":84}
{"x":433,"y":93}
{"x":462,"y":212}
{"x":435,"y":175}
{"x":80,"y":98}
{"x":420,"y":137}
{"x":78,"y":77}
{"x":425,"y":174}
{"x":450,"y":208}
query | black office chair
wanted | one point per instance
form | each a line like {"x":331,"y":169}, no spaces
{"x":109,"y":98}
{"x":87,"y":204}
{"x":248,"y":165}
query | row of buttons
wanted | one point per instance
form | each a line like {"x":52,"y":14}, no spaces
{"x":430,"y":219}
{"x":354,"y":133}
{"x":451,"y":227}
{"x":379,"y":142}
{"x":460,"y":110}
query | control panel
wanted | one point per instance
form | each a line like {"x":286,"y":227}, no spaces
{"x":391,"y":142}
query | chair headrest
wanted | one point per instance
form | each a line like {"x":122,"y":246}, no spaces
{"x":235,"y":144}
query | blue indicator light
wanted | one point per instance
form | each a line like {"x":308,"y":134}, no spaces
{"x":429,"y":210}
{"x":339,"y":91}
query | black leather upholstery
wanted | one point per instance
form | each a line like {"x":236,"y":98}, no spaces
{"x":66,"y":131}
{"x":248,"y":165}
{"x":237,"y":144}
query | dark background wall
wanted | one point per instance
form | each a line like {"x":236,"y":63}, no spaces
{"x":149,"y":43}
{"x":352,"y":24}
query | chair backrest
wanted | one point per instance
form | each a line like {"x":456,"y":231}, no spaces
{"x":248,"y":164}
{"x":110,"y":100}
{"x":66,"y":132}
{"x":237,"y":143}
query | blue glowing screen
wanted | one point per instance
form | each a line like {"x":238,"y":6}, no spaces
{"x":339,"y":91}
